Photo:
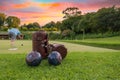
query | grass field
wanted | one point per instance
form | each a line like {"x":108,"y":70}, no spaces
{"x":88,"y":65}
{"x":76,"y":66}
{"x":27,"y":47}
{"x":111,"y":43}
{"x":5,"y":45}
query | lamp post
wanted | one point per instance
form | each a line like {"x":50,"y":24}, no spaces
{"x":83,"y":37}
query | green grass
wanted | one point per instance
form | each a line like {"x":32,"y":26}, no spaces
{"x":27,"y":47}
{"x":76,"y":66}
{"x":112,"y":42}
{"x":5,"y":45}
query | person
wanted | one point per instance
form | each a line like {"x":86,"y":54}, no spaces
{"x":13,"y":33}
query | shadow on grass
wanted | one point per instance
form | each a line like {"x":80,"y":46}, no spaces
{"x":109,"y":46}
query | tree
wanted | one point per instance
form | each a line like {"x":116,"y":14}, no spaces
{"x":36,"y":25}
{"x":2,"y":20}
{"x":116,"y":20}
{"x":58,"y":25}
{"x":71,"y":11}
{"x":71,"y":23}
{"x":87,"y":23}
{"x":30,"y":25}
{"x":49,"y":25}
{"x":107,"y":18}
{"x":23,"y":27}
{"x":13,"y":21}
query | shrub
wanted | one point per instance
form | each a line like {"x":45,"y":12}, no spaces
{"x":54,"y":36}
{"x":31,"y":29}
{"x":36,"y":29}
{"x":66,"y":32}
{"x":24,"y":29}
{"x":5,"y":28}
{"x":27,"y":35}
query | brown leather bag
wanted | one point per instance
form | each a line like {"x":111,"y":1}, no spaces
{"x":58,"y":47}
{"x":40,"y":42}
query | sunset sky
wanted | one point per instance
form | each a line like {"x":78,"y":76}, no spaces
{"x":44,"y":11}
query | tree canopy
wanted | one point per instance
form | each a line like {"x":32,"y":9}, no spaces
{"x":2,"y":20}
{"x":12,"y":21}
{"x":104,"y":20}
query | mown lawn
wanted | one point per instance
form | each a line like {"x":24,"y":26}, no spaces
{"x":76,"y":66}
{"x":26,"y":48}
{"x":112,"y":42}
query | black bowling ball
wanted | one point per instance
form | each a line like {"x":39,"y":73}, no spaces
{"x":54,"y":58}
{"x":33,"y":58}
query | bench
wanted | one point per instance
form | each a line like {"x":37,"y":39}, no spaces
{"x":6,"y":36}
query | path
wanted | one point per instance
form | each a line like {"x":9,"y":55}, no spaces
{"x":83,"y":48}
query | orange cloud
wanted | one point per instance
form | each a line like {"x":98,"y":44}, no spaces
{"x":44,"y":4}
{"x":23,"y":5}
{"x":48,"y":5}
{"x":55,"y":5}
